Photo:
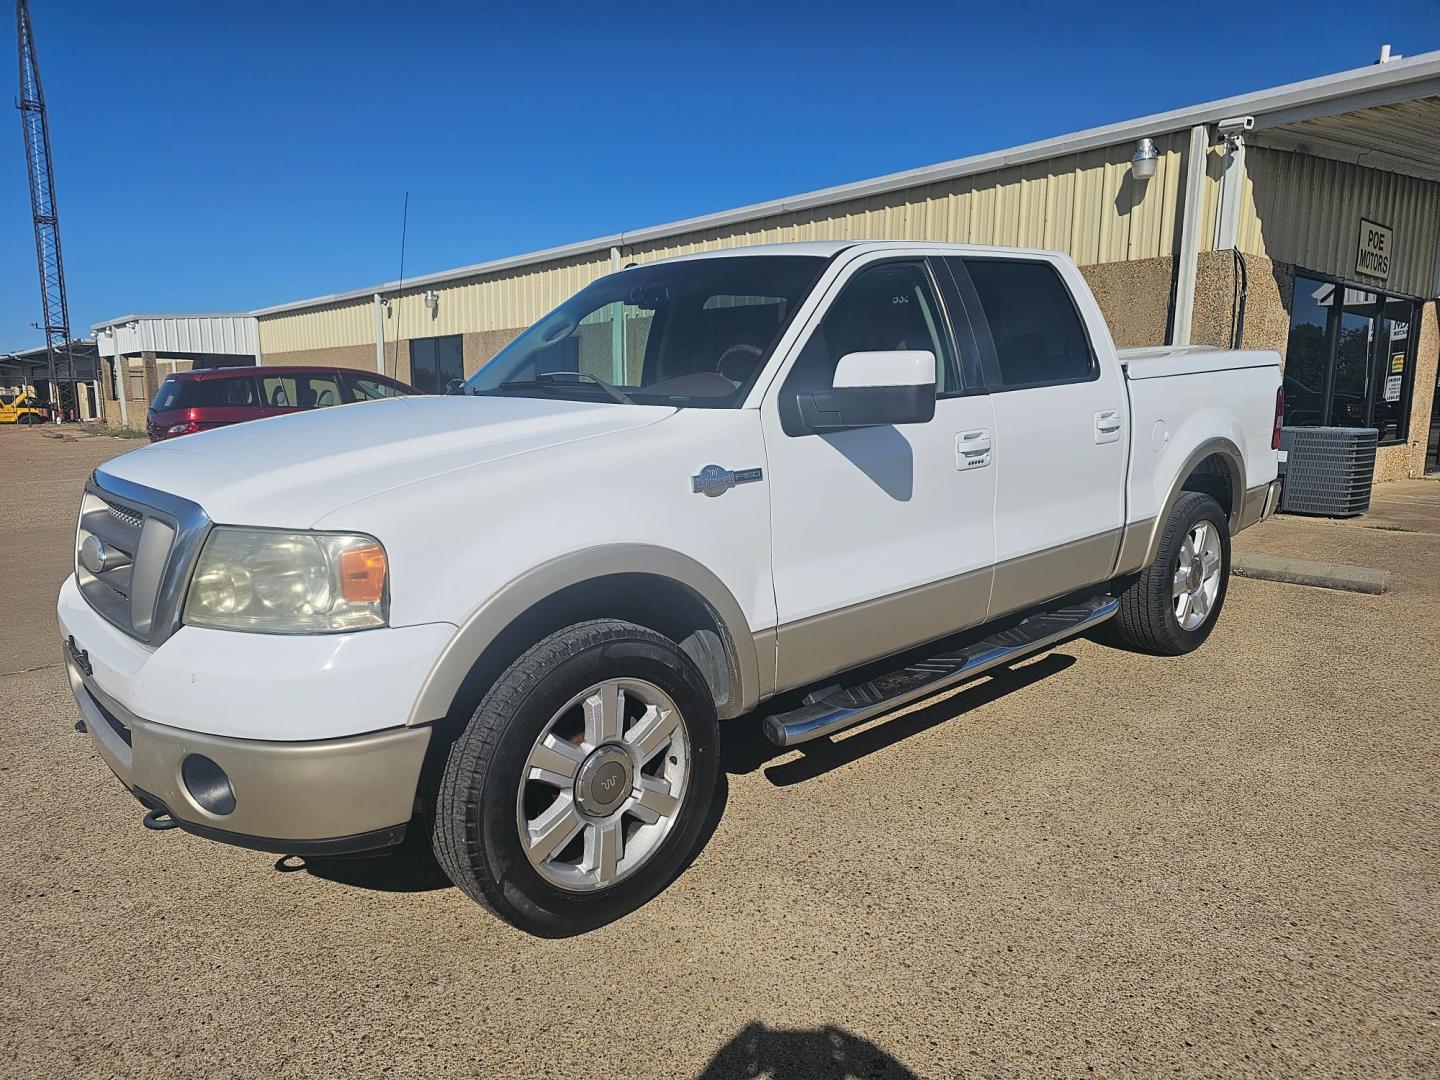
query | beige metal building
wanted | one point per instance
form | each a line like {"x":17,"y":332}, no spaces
{"x":1305,"y":219}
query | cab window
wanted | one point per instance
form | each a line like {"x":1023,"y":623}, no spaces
{"x":891,"y":306}
{"x":1039,"y":338}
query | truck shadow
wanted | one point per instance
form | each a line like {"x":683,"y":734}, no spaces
{"x":827,"y":1053}
{"x":411,"y":868}
{"x":744,"y":747}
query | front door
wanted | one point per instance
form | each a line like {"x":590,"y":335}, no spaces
{"x":882,"y":536}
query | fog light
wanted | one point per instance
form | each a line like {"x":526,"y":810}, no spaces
{"x":208,"y":785}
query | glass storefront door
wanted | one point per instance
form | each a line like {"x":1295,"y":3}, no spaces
{"x":1350,"y":358}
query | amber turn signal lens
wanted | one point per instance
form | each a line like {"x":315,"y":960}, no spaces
{"x":362,"y":574}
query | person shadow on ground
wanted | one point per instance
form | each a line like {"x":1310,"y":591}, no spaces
{"x":827,"y":1053}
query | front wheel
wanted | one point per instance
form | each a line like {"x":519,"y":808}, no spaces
{"x":1172,"y":606}
{"x":581,"y":784}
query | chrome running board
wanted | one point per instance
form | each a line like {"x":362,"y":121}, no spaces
{"x":834,"y":708}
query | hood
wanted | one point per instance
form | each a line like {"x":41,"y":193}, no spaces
{"x":289,"y":471}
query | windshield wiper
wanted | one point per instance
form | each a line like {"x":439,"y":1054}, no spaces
{"x":550,"y":380}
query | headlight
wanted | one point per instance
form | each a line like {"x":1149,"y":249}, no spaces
{"x":288,"y":582}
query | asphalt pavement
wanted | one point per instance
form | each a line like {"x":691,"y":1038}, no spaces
{"x":1099,"y":864}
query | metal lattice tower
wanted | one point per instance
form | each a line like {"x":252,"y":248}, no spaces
{"x":42,"y":206}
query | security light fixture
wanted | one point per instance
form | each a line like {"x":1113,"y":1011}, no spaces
{"x":431,"y":299}
{"x":1143,"y":164}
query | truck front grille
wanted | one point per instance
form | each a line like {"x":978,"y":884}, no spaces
{"x":149,"y":540}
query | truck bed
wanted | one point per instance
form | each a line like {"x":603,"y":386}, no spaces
{"x":1182,"y":399}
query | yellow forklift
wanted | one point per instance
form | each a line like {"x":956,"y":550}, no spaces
{"x":21,"y":408}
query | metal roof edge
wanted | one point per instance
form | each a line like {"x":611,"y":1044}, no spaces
{"x":105,"y":324}
{"x":1325,"y":88}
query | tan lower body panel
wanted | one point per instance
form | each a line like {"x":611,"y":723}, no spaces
{"x":1043,"y":575}
{"x":813,"y":648}
{"x":1252,"y":507}
{"x":318,"y":790}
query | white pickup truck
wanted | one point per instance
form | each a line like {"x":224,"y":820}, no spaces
{"x":816,"y":480}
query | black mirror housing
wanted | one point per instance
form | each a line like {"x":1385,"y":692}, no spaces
{"x":865,"y":406}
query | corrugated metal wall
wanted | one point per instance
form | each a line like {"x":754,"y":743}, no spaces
{"x":226,"y":334}
{"x":1085,"y":204}
{"x":1306,"y":211}
{"x":1296,"y":209}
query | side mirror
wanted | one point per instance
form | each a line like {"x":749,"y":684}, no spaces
{"x":871,"y":389}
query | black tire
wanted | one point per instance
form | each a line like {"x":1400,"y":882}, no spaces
{"x":1146,"y":619}
{"x":474,"y":830}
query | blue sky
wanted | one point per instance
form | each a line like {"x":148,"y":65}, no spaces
{"x":222,"y":157}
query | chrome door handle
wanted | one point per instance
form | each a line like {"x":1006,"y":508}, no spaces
{"x":1107,"y":426}
{"x":972,"y":449}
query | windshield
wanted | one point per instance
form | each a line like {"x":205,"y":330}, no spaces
{"x":693,"y":334}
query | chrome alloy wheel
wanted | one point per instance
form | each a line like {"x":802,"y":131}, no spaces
{"x":1197,"y":576}
{"x":603,"y":784}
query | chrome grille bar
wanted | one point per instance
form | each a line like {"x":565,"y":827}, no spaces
{"x":154,"y":539}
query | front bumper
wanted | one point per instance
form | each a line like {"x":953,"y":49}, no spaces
{"x":325,"y":796}
{"x":309,"y":731}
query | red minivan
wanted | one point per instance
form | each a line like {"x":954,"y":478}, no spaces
{"x":191,"y":401}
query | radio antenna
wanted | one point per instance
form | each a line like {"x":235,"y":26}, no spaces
{"x":400,"y":288}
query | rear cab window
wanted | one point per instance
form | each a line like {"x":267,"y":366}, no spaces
{"x":1039,"y":337}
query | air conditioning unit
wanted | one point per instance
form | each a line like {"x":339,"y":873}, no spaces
{"x":1328,"y":470}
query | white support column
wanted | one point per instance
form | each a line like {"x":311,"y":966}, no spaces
{"x":122,"y":378}
{"x":617,"y":330}
{"x":1190,"y":222}
{"x":379,"y":334}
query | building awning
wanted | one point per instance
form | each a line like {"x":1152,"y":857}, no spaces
{"x":189,"y":336}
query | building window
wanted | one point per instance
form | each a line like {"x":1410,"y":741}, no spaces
{"x":436,"y":363}
{"x":1350,"y":358}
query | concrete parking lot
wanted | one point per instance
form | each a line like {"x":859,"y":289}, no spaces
{"x":1099,"y":864}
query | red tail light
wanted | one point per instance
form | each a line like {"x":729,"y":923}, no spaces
{"x":1279,"y":418}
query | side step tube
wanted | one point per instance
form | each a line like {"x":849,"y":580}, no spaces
{"x":833,"y":709}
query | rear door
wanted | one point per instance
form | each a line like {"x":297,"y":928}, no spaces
{"x":1061,"y":425}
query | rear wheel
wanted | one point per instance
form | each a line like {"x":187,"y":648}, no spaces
{"x":581,"y":784}
{"x":1172,"y":606}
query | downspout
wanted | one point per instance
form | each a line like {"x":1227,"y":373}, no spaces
{"x":1188,"y":261}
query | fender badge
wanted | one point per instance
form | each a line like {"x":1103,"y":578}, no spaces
{"x":712,"y":480}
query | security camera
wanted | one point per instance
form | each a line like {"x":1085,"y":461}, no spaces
{"x":1236,"y":125}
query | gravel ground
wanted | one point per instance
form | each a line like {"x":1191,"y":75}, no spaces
{"x":1101,"y":864}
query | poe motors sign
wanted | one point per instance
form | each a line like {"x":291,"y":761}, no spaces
{"x":1375,"y":250}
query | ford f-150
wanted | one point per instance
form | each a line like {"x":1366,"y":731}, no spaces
{"x":809,"y":482}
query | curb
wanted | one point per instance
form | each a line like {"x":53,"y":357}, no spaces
{"x":1361,"y":579}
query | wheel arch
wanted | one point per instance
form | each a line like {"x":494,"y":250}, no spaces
{"x":1215,"y":467}
{"x":655,"y":587}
